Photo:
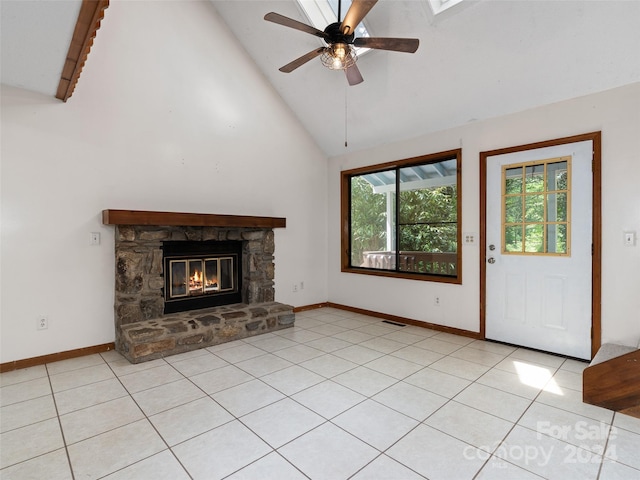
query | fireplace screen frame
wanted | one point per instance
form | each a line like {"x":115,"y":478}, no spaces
{"x":223,"y":273}
{"x":188,"y":252}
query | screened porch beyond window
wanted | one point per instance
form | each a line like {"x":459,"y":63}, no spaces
{"x":404,"y":219}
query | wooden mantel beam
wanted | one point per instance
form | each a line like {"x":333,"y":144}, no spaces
{"x":142,"y":217}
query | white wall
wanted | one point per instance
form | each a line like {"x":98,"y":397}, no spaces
{"x":171,"y":117}
{"x":616,"y":113}
{"x":176,"y":117}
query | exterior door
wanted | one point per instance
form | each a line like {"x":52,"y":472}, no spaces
{"x":538,"y":276}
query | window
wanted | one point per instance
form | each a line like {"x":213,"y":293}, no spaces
{"x":535,"y":207}
{"x":439,"y":6}
{"x":402,"y":219}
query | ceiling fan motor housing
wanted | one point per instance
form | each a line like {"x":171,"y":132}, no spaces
{"x":336,"y":36}
{"x":339,"y":37}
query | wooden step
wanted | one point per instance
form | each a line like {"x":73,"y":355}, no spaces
{"x":612,"y":380}
{"x":632,"y":412}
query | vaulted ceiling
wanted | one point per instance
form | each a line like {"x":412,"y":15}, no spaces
{"x":477,"y":60}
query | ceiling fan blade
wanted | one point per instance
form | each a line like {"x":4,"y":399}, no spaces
{"x":355,"y":14}
{"x":354,"y":77}
{"x":408,"y":45}
{"x":298,"y":62}
{"x":291,"y":23}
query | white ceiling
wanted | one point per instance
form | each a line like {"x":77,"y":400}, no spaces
{"x":478,"y":60}
{"x":35,"y":41}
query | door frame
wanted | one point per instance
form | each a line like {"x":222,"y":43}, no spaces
{"x":596,"y":233}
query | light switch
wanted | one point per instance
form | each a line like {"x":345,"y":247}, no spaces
{"x":469,"y":238}
{"x":629,"y":239}
{"x":94,"y":238}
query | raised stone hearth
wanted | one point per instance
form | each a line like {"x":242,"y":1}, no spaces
{"x":143,"y":329}
{"x":185,"y":331}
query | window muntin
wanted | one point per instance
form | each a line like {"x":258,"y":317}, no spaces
{"x":536,"y":207}
{"x":403,"y":219}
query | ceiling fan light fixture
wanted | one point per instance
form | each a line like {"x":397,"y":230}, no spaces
{"x":339,"y":56}
{"x":341,"y":44}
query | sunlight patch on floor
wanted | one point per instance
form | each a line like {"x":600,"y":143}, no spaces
{"x":537,"y":377}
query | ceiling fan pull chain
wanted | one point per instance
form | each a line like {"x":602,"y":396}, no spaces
{"x":345,"y":118}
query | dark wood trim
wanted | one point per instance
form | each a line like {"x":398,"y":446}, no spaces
{"x":596,"y":259}
{"x":306,"y":308}
{"x":424,"y":277}
{"x":632,"y":412}
{"x":87,"y":25}
{"x":429,"y":158}
{"x":407,"y":321}
{"x":483,"y":242}
{"x":141,"y":217}
{"x":55,"y":357}
{"x":345,"y":217}
{"x":614,"y":383}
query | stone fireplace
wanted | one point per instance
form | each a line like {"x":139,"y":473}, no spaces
{"x":163,"y":305}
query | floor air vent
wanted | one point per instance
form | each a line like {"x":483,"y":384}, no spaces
{"x":394,"y":323}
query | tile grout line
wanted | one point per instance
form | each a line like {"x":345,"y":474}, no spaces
{"x":149,"y":422}
{"x":64,"y":438}
{"x":326,"y":420}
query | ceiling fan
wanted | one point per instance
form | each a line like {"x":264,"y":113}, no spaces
{"x":339,"y":37}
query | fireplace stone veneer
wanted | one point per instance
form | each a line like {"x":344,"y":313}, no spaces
{"x":186,"y":331}
{"x":142,"y":329}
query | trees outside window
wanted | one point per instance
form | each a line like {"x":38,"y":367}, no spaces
{"x":403,"y":219}
{"x":535,"y":204}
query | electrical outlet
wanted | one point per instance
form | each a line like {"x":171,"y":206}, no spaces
{"x":42,"y":322}
{"x":436,"y":301}
{"x":295,"y":288}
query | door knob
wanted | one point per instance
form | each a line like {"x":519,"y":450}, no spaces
{"x":491,"y":260}
{"x":492,"y":247}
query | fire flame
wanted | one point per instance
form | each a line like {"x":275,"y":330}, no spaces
{"x":195,"y":281}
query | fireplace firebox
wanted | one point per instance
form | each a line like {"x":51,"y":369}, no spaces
{"x":201,"y":274}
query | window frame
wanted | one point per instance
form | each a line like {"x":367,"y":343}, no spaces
{"x":345,"y":216}
{"x":545,"y":222}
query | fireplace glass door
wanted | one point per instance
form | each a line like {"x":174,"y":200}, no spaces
{"x":201,"y":274}
{"x":208,"y":275}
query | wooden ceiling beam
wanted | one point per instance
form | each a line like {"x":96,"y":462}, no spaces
{"x":88,"y":23}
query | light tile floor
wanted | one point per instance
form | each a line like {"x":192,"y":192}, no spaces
{"x":339,"y":396}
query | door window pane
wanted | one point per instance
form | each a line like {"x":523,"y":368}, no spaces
{"x":534,"y":178}
{"x":534,"y":238}
{"x":557,"y":207}
{"x":513,"y":180}
{"x":557,"y":176}
{"x":513,"y":209}
{"x":513,"y":238}
{"x":536,"y":207}
{"x":557,"y":238}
